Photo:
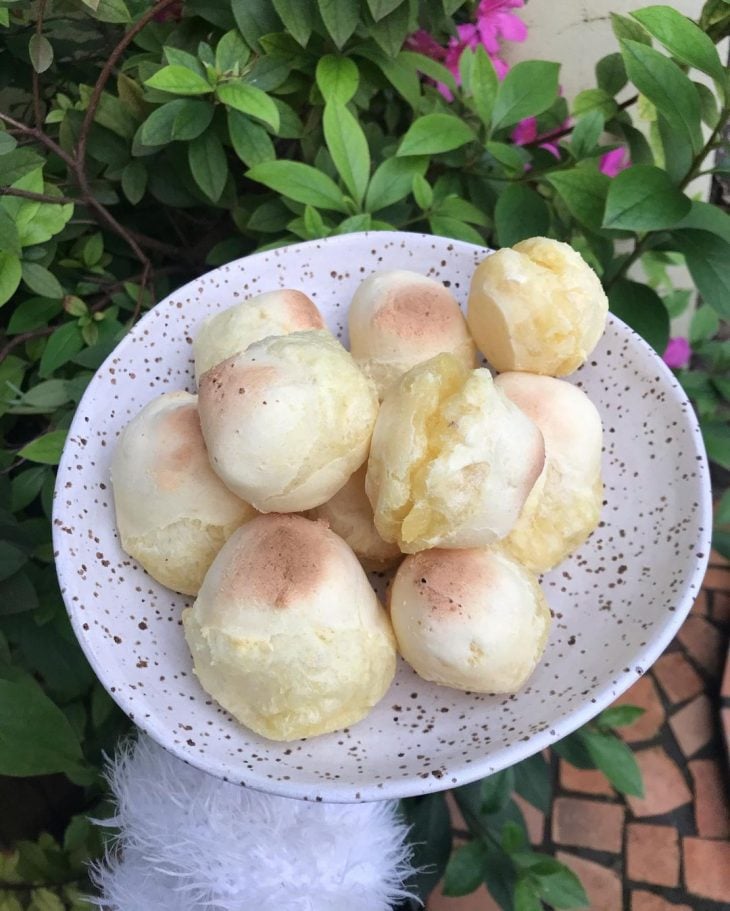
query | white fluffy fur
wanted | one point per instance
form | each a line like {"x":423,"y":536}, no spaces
{"x":191,"y":842}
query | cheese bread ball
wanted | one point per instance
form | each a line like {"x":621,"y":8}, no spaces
{"x":287,"y":634}
{"x":537,"y":306}
{"x":398,"y":319}
{"x":452,"y":459}
{"x":288,"y":420}
{"x":350,"y":515}
{"x":233,"y":330}
{"x":173,"y":512}
{"x":565,"y":505}
{"x":471,"y":619}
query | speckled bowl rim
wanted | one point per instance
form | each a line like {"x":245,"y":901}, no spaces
{"x":500,"y":758}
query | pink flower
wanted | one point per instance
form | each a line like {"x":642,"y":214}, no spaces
{"x":494,"y":22}
{"x":678,"y":353}
{"x":424,"y":43}
{"x":526,"y":132}
{"x":615,"y":161}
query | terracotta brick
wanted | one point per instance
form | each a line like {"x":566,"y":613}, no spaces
{"x":587,"y":823}
{"x":676,"y":676}
{"x":587,"y":781}
{"x":725,"y":717}
{"x":705,"y":644}
{"x":717,"y":559}
{"x":717,"y":578}
{"x":534,"y":820}
{"x":602,"y":885}
{"x":480,"y":900}
{"x":712,"y":811}
{"x":707,"y":868}
{"x":725,"y":685}
{"x":693,"y":725}
{"x":647,"y":901}
{"x":664,"y":787}
{"x":701,"y":604}
{"x":652,"y":854}
{"x":644,"y":695}
{"x":457,"y":820}
{"x":721,"y":607}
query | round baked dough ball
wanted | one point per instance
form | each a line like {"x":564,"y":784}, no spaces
{"x":471,"y":619}
{"x":287,"y":634}
{"x":537,"y":306}
{"x":564,"y":506}
{"x":398,"y":319}
{"x":288,"y":420}
{"x":350,"y":515}
{"x":233,"y":330}
{"x":452,"y":459}
{"x":173,"y":512}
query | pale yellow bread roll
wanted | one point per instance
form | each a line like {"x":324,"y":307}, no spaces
{"x":287,"y":634}
{"x":398,"y":319}
{"x":536,"y":307}
{"x":349,"y":514}
{"x":173,"y":512}
{"x":234,"y":329}
{"x":564,"y":507}
{"x":452,"y":459}
{"x":470,"y":619}
{"x":288,"y":420}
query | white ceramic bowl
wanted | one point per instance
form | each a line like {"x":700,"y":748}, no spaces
{"x":617,"y":602}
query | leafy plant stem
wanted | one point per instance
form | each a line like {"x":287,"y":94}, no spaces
{"x":566,"y":131}
{"x":38,"y":197}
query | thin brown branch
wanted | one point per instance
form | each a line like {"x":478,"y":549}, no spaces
{"x":37,"y":105}
{"x":38,"y":197}
{"x":41,"y":137}
{"x":566,"y":131}
{"x":106,"y":73}
{"x":24,"y":337}
{"x":151,"y":243}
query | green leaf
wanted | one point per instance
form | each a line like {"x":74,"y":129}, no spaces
{"x":361,"y":222}
{"x":249,"y":100}
{"x":447,"y":226}
{"x":667,"y":87}
{"x":619,"y":716}
{"x":65,"y":342}
{"x":520,"y":213}
{"x":255,"y":18}
{"x":250,"y":140}
{"x":40,"y":280}
{"x":182,"y":119}
{"x":484,"y":85}
{"x":682,"y":38}
{"x":430,"y":839}
{"x":10,"y":275}
{"x":300,"y":182}
{"x":33,"y":313}
{"x":12,"y":558}
{"x":231,"y":53}
{"x":705,"y":324}
{"x":456,"y":207}
{"x":392,"y":30}
{"x":574,"y":751}
{"x":594,"y":100}
{"x":586,"y":134}
{"x":495,"y":791}
{"x":716,"y":435}
{"x":134,"y":181}
{"x":708,"y":260}
{"x":709,"y":111}
{"x":584,"y":191}
{"x":611,"y":73}
{"x":527,"y":90}
{"x":526,"y":896}
{"x":561,"y":889}
{"x":392,"y":181}
{"x":429,"y":67}
{"x":435,"y":133}
{"x":177,"y":57}
{"x":703,"y":216}
{"x":298,"y":17}
{"x":40,"y":51}
{"x":26,"y":486}
{"x":93,"y":249}
{"x":35,"y":737}
{"x":17,"y":594}
{"x":625,"y":28}
{"x":465,"y":869}
{"x":7,"y":143}
{"x":340,"y":18}
{"x":381,"y":8}
{"x":337,"y":78}
{"x":17,"y":164}
{"x":640,"y":307}
{"x":179,"y":80}
{"x":500,"y":877}
{"x":513,"y":158}
{"x":643,"y":198}
{"x":615,"y":760}
{"x":45,"y":449}
{"x":208,"y":164}
{"x":532,"y":782}
{"x":348,"y":147}
{"x":422,"y":192}
{"x":112,"y":11}
{"x":400,"y":75}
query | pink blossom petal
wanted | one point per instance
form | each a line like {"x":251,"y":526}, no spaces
{"x":424,"y":43}
{"x":500,"y":67}
{"x":615,"y":161}
{"x":678,"y":353}
{"x":511,"y":27}
{"x":525,"y":131}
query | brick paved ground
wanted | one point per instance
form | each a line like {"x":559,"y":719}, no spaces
{"x":670,"y":850}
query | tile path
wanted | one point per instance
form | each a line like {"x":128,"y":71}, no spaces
{"x":670,"y":850}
